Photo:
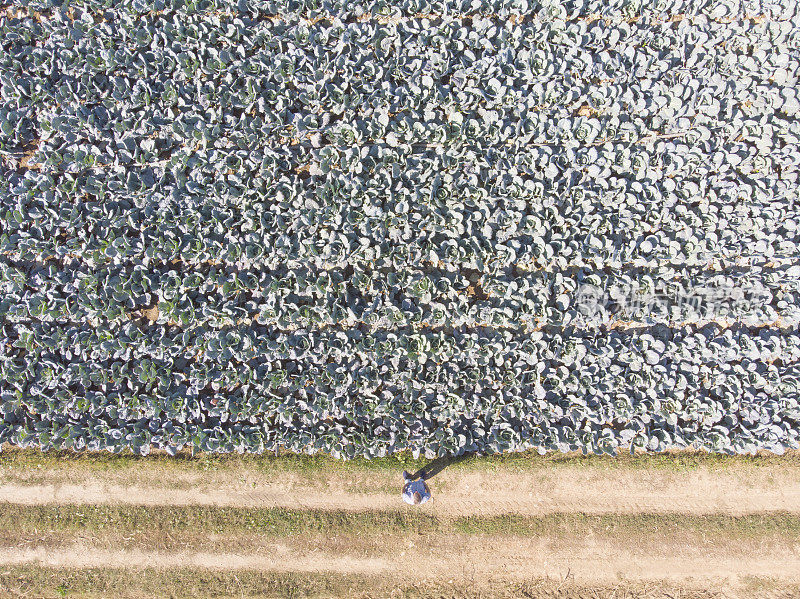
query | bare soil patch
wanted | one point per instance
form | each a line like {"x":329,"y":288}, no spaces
{"x":587,"y":551}
{"x":589,"y":561}
{"x":457,"y":493}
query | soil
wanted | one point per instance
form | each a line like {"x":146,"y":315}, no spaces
{"x":587,"y":490}
{"x":596,"y":556}
{"x":523,"y":561}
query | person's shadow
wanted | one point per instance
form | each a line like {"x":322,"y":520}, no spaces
{"x":434,"y":467}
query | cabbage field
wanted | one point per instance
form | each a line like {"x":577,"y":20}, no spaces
{"x":442,"y":226}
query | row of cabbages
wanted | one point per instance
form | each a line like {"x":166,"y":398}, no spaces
{"x":302,"y":298}
{"x":363,"y":228}
{"x":650,"y":68}
{"x":451,"y":220}
{"x":538,"y":10}
{"x":672,"y":164}
{"x":244,"y":343}
{"x":353,"y":393}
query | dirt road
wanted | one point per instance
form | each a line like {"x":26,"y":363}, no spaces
{"x":604,"y":564}
{"x":594,"y":490}
{"x":764,"y":552}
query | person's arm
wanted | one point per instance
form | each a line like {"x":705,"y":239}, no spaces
{"x":427,"y":488}
{"x":426,"y":496}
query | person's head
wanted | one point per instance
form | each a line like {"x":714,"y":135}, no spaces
{"x":417,"y":497}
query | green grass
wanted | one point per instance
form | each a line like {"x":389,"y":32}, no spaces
{"x":280,"y":522}
{"x":275,"y":522}
{"x":32,"y":581}
{"x":13,"y":458}
{"x":712,"y":526}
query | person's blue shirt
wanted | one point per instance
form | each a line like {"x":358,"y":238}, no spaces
{"x":414,"y":487}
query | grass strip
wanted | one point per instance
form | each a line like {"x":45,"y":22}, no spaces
{"x":678,"y":461}
{"x":32,"y":581}
{"x":276,"y":522}
{"x":710,"y":526}
{"x":281,"y":522}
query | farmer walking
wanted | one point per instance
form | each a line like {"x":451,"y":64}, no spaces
{"x":415,"y":492}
